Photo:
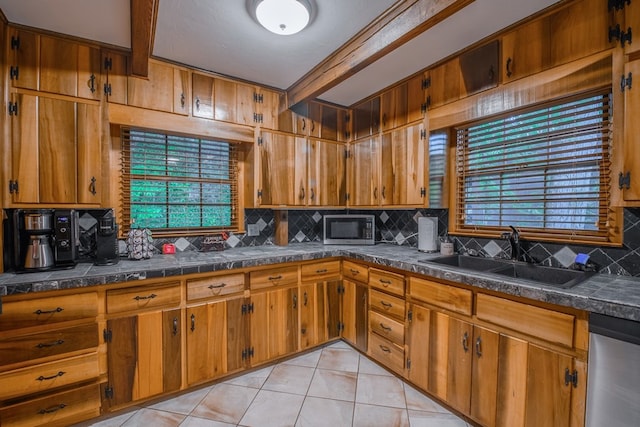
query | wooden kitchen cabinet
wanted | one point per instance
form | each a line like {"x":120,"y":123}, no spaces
{"x":418,"y":345}
{"x":355,"y":304}
{"x":320,"y":303}
{"x":327,"y":164}
{"x":67,"y":151}
{"x":629,"y":178}
{"x":525,"y":50}
{"x":444,"y":83}
{"x":366,"y":118}
{"x":319,"y":120}
{"x":115,"y":69}
{"x":364,"y":172}
{"x":24,"y":58}
{"x":144,"y":342}
{"x":394,"y":105}
{"x":403,"y":157}
{"x":166,"y":88}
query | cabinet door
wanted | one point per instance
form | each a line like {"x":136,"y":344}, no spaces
{"x":632,"y":135}
{"x":444,"y":83}
{"x":115,"y":68}
{"x":366,"y":120}
{"x":58,"y":66}
{"x":237,"y":332}
{"x":172,"y":350}
{"x":416,"y":106}
{"x":245,"y":104}
{"x":57,"y":150}
{"x":333,"y":124}
{"x":308,"y":316}
{"x":90,"y":82}
{"x":548,"y":399}
{"x":283,"y":322}
{"x":512,"y":381}
{"x":418,"y":343}
{"x":24,"y":59}
{"x":403,"y":165}
{"x":525,"y":50}
{"x":327,"y":173}
{"x":203,"y":91}
{"x":24,"y":149}
{"x":631,"y":23}
{"x":206,"y":341}
{"x":283,"y":169}
{"x":364,"y":170}
{"x":393,"y":107}
{"x":259,"y":328}
{"x":225,"y":100}
{"x":122,"y":358}
{"x":89,"y":154}
{"x":154,"y":92}
{"x":484,"y":376}
{"x":181,"y":91}
{"x":269,"y":109}
{"x":333,"y":309}
{"x":355,"y":314}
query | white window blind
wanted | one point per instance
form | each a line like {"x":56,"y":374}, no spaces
{"x":544,"y":170}
{"x":174,"y":183}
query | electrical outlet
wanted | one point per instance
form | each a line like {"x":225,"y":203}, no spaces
{"x":253,"y":230}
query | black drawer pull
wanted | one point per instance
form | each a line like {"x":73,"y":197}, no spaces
{"x":138,"y":297}
{"x":354,"y":271}
{"x":55,"y":310}
{"x":221,"y":285}
{"x":278,"y":277}
{"x":324,"y":270}
{"x":193,"y":322}
{"x":51,"y":344}
{"x":385,"y":327}
{"x":52,"y":409}
{"x":385,"y":282}
{"x":43,"y":378}
{"x":386,"y":304}
{"x":385,"y":348}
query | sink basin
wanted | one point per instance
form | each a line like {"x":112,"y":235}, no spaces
{"x":468,"y":262}
{"x":558,"y":277}
{"x":551,"y":276}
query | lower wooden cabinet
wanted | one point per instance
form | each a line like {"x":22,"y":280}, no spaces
{"x":355,"y":310}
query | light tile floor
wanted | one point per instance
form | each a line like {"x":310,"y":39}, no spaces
{"x":333,"y":386}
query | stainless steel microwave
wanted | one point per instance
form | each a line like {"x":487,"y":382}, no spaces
{"x":349,"y":229}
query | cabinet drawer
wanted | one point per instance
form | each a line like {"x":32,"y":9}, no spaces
{"x":386,"y":352}
{"x":143,"y":297}
{"x":208,"y":287}
{"x":40,"y":311}
{"x":320,"y":271}
{"x":444,"y":296}
{"x":274,"y":277}
{"x":538,"y":322}
{"x":353,"y":271}
{"x":60,"y":409}
{"x":44,"y":344}
{"x":47,"y":376}
{"x":387,"y":327}
{"x":388,"y":282}
{"x":385,"y":303}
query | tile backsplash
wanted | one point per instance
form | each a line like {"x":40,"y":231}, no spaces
{"x":401,"y":227}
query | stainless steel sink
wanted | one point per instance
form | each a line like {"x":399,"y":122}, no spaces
{"x":551,"y":276}
{"x":558,"y":277}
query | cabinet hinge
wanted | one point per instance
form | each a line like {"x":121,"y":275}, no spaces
{"x":340,"y":289}
{"x":107,"y":89}
{"x":258,"y":98}
{"x":428,"y":101}
{"x":247,"y":353}
{"x":625,"y":82}
{"x":423,"y":134}
{"x":108,"y":392}
{"x":624,"y":181}
{"x":571,"y":378}
{"x":107,"y":334}
{"x":260,"y":140}
{"x":423,"y":192}
{"x":14,"y":72}
{"x":408,"y":363}
{"x":13,"y":186}
{"x":12,"y":108}
{"x":410,"y":316}
{"x":426,"y":83}
{"x":617,"y":4}
{"x":347,"y":154}
{"x":15,"y":42}
{"x":250,"y":310}
{"x":423,"y":107}
{"x":259,"y":194}
{"x":257,"y":118}
{"x":340,"y":326}
{"x":108,"y":63}
{"x":615,"y":33}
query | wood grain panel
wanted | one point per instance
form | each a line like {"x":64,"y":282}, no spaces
{"x":386,"y":281}
{"x":512,"y":381}
{"x":122,"y":356}
{"x":199,"y":356}
{"x":154,"y":92}
{"x":307,"y":319}
{"x":203,"y":95}
{"x":172,"y":348}
{"x":320,"y":271}
{"x":237,"y":333}
{"x":142,"y":297}
{"x":24,"y":146}
{"x":225,"y":100}
{"x":459,"y":364}
{"x":281,"y":276}
{"x":387,"y":327}
{"x":149,"y":376}
{"x":419,"y":341}
{"x":386,"y":352}
{"x":215,"y":286}
{"x":445,"y":296}
{"x":354,"y":271}
{"x":58,"y":66}
{"x":89,"y":175}
{"x":539,"y":322}
{"x":387,"y":304}
{"x":143,"y":23}
{"x":27,"y":57}
{"x":484,"y":375}
{"x":90,"y":81}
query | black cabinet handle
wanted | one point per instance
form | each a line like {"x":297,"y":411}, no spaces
{"x":198,"y":104}
{"x":509,"y":62}
{"x":492,"y":74}
{"x":385,"y":348}
{"x":43,"y":378}
{"x":386,"y":305}
{"x":304,"y":124}
{"x":50,"y":344}
{"x":375,"y":193}
{"x":306,"y":299}
{"x":92,"y":186}
{"x":295,"y":301}
{"x":193,"y":322}
{"x":278,"y":277}
{"x":139,"y":298}
{"x":92,"y":83}
{"x":175,"y":326}
{"x":52,"y":409}
{"x":55,"y":310}
{"x":221,"y":285}
{"x":479,"y":346}
{"x":312,"y":195}
{"x":385,"y":327}
{"x":354,"y":271}
{"x":465,"y":342}
{"x":182,"y":100}
{"x":383,"y":191}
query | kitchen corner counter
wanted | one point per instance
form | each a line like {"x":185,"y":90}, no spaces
{"x":617,"y":296}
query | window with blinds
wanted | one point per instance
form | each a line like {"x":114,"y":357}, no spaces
{"x":544,"y":170}
{"x":178,"y":184}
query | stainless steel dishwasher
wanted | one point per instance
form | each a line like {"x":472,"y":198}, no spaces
{"x":613,"y":383}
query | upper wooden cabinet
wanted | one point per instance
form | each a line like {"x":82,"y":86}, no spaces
{"x":366,"y":118}
{"x":323,"y":121}
{"x":526,"y":50}
{"x":629,"y":179}
{"x":327,"y":173}
{"x":165,"y":89}
{"x":53,"y":65}
{"x":115,"y":69}
{"x":364,"y":172}
{"x":56,"y":151}
{"x":229,"y":101}
{"x":403,"y":104}
{"x":444,"y":83}
{"x":479,"y":68}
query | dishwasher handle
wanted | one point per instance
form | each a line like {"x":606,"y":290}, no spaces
{"x":615,"y":327}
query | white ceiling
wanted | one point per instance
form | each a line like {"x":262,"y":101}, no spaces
{"x":221,"y":36}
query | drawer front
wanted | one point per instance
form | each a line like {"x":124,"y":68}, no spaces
{"x":387,"y":304}
{"x":386,"y":352}
{"x":353,"y":271}
{"x":47,"y":376}
{"x":274,"y":277}
{"x":59,"y":409}
{"x":438,"y":294}
{"x":387,"y":327}
{"x":143,"y":297}
{"x":41,"y":311}
{"x":387,"y":282}
{"x":44,"y":344}
{"x":215,"y":286}
{"x":539,"y":322}
{"x":319,"y":271}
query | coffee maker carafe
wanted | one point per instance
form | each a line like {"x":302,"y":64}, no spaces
{"x":37,"y":230}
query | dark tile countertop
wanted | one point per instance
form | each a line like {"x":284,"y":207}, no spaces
{"x":617,"y":296}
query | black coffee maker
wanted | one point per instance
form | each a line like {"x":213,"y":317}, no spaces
{"x":98,"y":236}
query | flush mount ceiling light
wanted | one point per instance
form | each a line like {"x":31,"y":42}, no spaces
{"x":284,"y":17}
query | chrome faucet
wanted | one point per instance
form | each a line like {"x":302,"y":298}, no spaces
{"x":514,"y":240}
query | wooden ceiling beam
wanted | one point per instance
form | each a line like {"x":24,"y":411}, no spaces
{"x":404,"y":21}
{"x":143,"y":28}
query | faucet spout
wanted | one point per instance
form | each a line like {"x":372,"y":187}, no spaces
{"x":514,"y":242}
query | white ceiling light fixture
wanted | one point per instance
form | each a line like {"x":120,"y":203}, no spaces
{"x":283,"y":17}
